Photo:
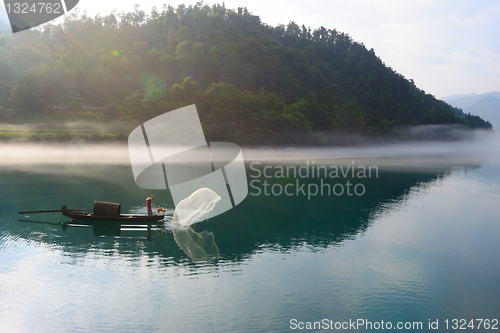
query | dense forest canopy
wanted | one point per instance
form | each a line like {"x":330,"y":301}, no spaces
{"x":247,"y":79}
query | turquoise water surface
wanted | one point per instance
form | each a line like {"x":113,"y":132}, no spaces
{"x":420,"y":244}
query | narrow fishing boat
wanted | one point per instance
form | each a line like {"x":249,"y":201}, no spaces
{"x":109,"y":212}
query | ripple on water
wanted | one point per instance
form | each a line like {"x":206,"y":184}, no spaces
{"x":7,"y":240}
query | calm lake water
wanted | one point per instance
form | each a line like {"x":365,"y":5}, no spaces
{"x":418,"y":239}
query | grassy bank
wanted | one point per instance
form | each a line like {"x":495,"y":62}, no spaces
{"x":60,"y":136}
{"x":64,"y":129}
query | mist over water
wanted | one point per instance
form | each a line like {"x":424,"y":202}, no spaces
{"x":421,"y":243}
{"x":485,"y":146}
{"x":23,"y":154}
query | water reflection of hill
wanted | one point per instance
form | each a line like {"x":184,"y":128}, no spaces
{"x":286,"y":222}
{"x":280,"y":222}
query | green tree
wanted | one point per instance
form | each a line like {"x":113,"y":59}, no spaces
{"x":26,"y":95}
{"x":77,"y":101}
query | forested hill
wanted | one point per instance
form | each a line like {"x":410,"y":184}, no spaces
{"x":247,"y":79}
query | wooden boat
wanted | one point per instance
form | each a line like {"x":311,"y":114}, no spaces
{"x":109,"y":212}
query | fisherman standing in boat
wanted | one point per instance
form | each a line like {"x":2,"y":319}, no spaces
{"x":148,"y":204}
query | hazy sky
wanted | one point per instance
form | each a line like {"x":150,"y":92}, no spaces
{"x":446,"y":46}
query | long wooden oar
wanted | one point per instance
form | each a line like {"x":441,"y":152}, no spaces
{"x":49,"y":211}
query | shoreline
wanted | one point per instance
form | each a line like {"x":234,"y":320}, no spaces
{"x":60,"y":136}
{"x":23,"y":133}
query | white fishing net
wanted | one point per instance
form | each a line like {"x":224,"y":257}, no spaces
{"x":195,"y":208}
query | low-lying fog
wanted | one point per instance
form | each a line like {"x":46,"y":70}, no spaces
{"x":482,"y":148}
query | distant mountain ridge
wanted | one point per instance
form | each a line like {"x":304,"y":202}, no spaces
{"x":487,"y":108}
{"x":466,"y":100}
{"x":487,"y":105}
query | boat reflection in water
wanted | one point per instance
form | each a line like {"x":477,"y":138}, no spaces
{"x":100,"y":228}
{"x":198,"y":246}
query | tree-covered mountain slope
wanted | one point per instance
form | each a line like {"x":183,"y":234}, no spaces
{"x":247,"y":79}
